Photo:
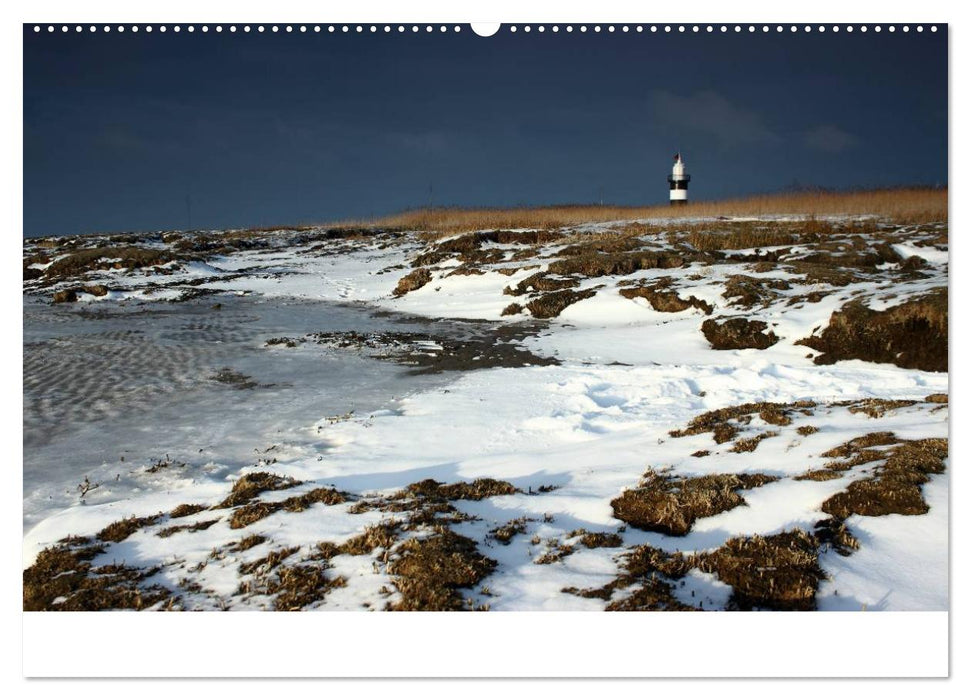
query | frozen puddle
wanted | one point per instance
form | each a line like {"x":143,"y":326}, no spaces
{"x":112,"y":390}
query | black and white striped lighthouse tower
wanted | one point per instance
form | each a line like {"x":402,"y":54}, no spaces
{"x":678,"y":180}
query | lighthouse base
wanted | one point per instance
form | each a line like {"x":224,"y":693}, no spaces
{"x":678,"y":202}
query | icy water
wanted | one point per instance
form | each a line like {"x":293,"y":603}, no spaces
{"x":112,"y":389}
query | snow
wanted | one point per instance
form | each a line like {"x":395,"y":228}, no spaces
{"x":590,"y":426}
{"x":931,"y":255}
{"x":900,"y":564}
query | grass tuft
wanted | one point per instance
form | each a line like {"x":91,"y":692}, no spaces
{"x":429,"y":572}
{"x":123,"y":529}
{"x":670,"y":505}
{"x":779,"y":572}
{"x":252,"y":485}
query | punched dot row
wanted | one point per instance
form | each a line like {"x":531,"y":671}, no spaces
{"x":232,"y":28}
{"x":725,"y":28}
{"x":428,"y":28}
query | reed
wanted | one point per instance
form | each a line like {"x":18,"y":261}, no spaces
{"x":904,"y":206}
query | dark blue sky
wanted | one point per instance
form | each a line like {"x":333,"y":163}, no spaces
{"x":262,"y":129}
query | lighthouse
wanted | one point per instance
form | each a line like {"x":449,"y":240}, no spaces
{"x":678,"y":180}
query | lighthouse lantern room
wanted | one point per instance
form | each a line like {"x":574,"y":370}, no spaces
{"x":678,"y":180}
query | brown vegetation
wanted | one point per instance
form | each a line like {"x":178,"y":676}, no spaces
{"x":194,"y":527}
{"x":818,"y":475}
{"x":599,"y":265}
{"x":899,"y":205}
{"x":738,"y":334}
{"x":541,"y":282}
{"x":651,"y":595}
{"x":749,"y":444}
{"x":412,"y":281}
{"x":247,"y":542}
{"x":861,"y":444}
{"x":670,"y":505}
{"x":779,"y":572}
{"x":748,"y":291}
{"x":252,"y":512}
{"x":895,"y":486}
{"x":265,"y":564}
{"x":912,"y":335}
{"x":64,"y":296}
{"x":877,"y":408}
{"x":468,"y":248}
{"x":552,"y":304}
{"x":461,"y":490}
{"x":98,"y":259}
{"x":123,"y":529}
{"x":186,"y":509}
{"x":296,"y":587}
{"x":249,"y":486}
{"x":429,"y":572}
{"x":742,"y":235}
{"x":505,"y":533}
{"x":665,"y":300}
{"x":382,"y":535}
{"x":62,"y":578}
{"x":426,"y":503}
{"x":555,"y":552}
{"x":724,"y":423}
{"x":595,"y":540}
{"x":833,"y":532}
{"x":652,"y":571}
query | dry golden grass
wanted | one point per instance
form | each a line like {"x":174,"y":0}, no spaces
{"x":913,"y":205}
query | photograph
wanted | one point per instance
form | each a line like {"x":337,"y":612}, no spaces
{"x":569,"y":317}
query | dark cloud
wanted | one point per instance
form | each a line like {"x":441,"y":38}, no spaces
{"x":829,"y":138}
{"x":711,"y":114}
